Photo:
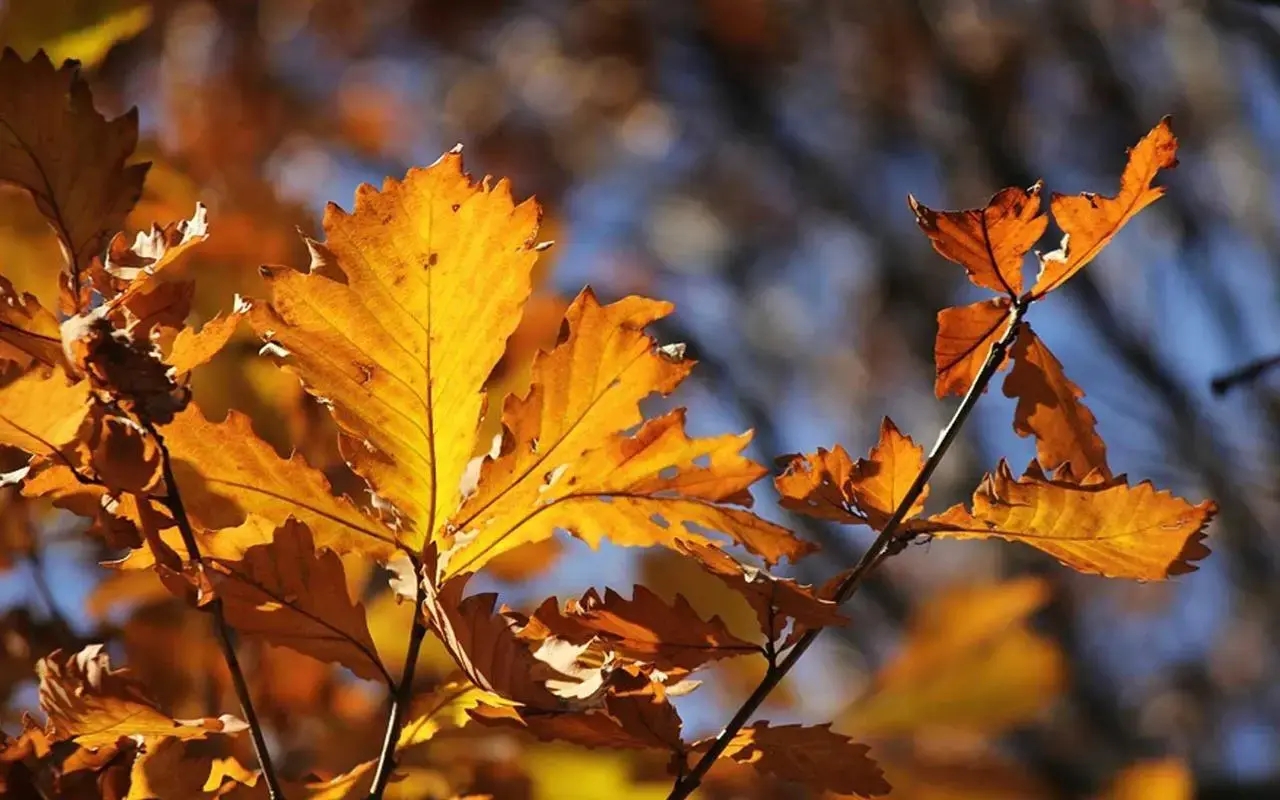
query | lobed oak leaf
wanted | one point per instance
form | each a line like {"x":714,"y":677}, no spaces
{"x":566,"y":461}
{"x":192,"y":348}
{"x":812,"y":755}
{"x":992,"y":242}
{"x":29,"y":332}
{"x":122,"y":456}
{"x":773,"y":599}
{"x":829,"y":485}
{"x":41,"y":411}
{"x":94,"y":705}
{"x":430,"y":275}
{"x":965,"y":336}
{"x":1089,"y":222}
{"x":968,"y":662}
{"x":54,"y":144}
{"x":644,"y":628}
{"x":1105,"y":527}
{"x":291,"y":593}
{"x":1049,"y":408}
{"x":168,"y":770}
{"x":444,"y":708}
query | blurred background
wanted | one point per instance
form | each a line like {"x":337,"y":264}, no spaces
{"x":750,"y":160}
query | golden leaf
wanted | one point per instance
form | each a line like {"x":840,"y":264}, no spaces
{"x":990,"y":243}
{"x":965,"y":336}
{"x":1167,"y":779}
{"x":292,"y":594}
{"x":813,"y":755}
{"x":94,"y":705}
{"x":41,"y":411}
{"x":829,"y":485}
{"x":969,"y":662}
{"x":421,"y":286}
{"x":1107,"y":527}
{"x":1049,"y":408}
{"x":29,"y":333}
{"x":1089,"y":222}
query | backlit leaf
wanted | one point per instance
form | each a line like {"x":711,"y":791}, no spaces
{"x":965,"y":336}
{"x":41,"y":411}
{"x":29,"y":333}
{"x":813,"y":755}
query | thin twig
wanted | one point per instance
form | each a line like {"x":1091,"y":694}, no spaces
{"x":887,"y":543}
{"x":173,"y":501}
{"x":1249,"y":372}
{"x":402,"y":697}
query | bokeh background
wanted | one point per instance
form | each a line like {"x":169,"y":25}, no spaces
{"x":750,"y":161}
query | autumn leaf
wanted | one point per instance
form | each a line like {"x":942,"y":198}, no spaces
{"x":968,"y":662}
{"x":1167,"y":779}
{"x":443,"y":708}
{"x":1050,"y":409}
{"x":828,"y":485}
{"x":94,"y":705}
{"x":644,"y":628}
{"x":422,"y":284}
{"x":85,"y":31}
{"x":1089,"y":221}
{"x":812,"y":755}
{"x":990,"y":243}
{"x":293,"y":594}
{"x":29,"y":333}
{"x":1108,"y":528}
{"x":42,"y":411}
{"x":192,"y":348}
{"x":54,"y":144}
{"x":965,"y":337}
{"x":773,"y":599}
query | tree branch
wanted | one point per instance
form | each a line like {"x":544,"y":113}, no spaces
{"x":402,"y":696}
{"x":886,"y":544}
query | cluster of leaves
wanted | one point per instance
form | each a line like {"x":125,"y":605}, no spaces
{"x":409,"y":305}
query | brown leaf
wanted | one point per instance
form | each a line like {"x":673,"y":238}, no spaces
{"x":773,"y":599}
{"x":965,"y":336}
{"x":94,"y":705}
{"x":812,"y":755}
{"x":293,"y":594}
{"x":990,"y":243}
{"x":1109,"y":527}
{"x":1089,"y":222}
{"x":643,"y":628}
{"x":828,"y":485}
{"x":1049,"y":408}
{"x":54,"y":144}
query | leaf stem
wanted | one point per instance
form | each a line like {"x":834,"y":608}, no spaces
{"x":886,"y":544}
{"x":402,"y":697}
{"x":173,"y":501}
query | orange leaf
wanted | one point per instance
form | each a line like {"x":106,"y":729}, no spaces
{"x":54,"y":144}
{"x":191,"y":348}
{"x":990,"y":243}
{"x":773,"y":599}
{"x":293,"y":594}
{"x":40,"y":411}
{"x":29,"y":333}
{"x":969,"y":662}
{"x":644,"y":628}
{"x":1049,"y":408}
{"x":812,"y":755}
{"x":1108,"y":528}
{"x":94,"y":705}
{"x":826,"y":484}
{"x":965,"y":336}
{"x":1167,"y":779}
{"x":1089,"y":222}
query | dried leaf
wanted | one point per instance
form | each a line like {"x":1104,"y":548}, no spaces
{"x":1049,"y":408}
{"x":54,"y":144}
{"x":643,"y":628}
{"x":1108,"y":527}
{"x":94,"y":705}
{"x":969,"y":662}
{"x":293,"y":594}
{"x":443,"y":708}
{"x":29,"y":333}
{"x":1089,"y":222}
{"x":965,"y":336}
{"x":812,"y":755}
{"x":990,"y":243}
{"x":41,"y":411}
{"x":828,"y":485}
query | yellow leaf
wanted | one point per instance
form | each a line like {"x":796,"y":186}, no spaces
{"x":444,"y":708}
{"x":828,"y":485}
{"x":567,"y":462}
{"x":1089,"y":222}
{"x":969,"y":662}
{"x":41,"y":411}
{"x":92,"y":704}
{"x":1049,"y":408}
{"x":400,"y":322}
{"x":1167,"y":779}
{"x":54,"y":144}
{"x":85,"y":30}
{"x":990,"y":243}
{"x":1105,"y":527}
{"x":29,"y":333}
{"x":191,"y":348}
{"x":294,"y":595}
{"x":167,"y":771}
